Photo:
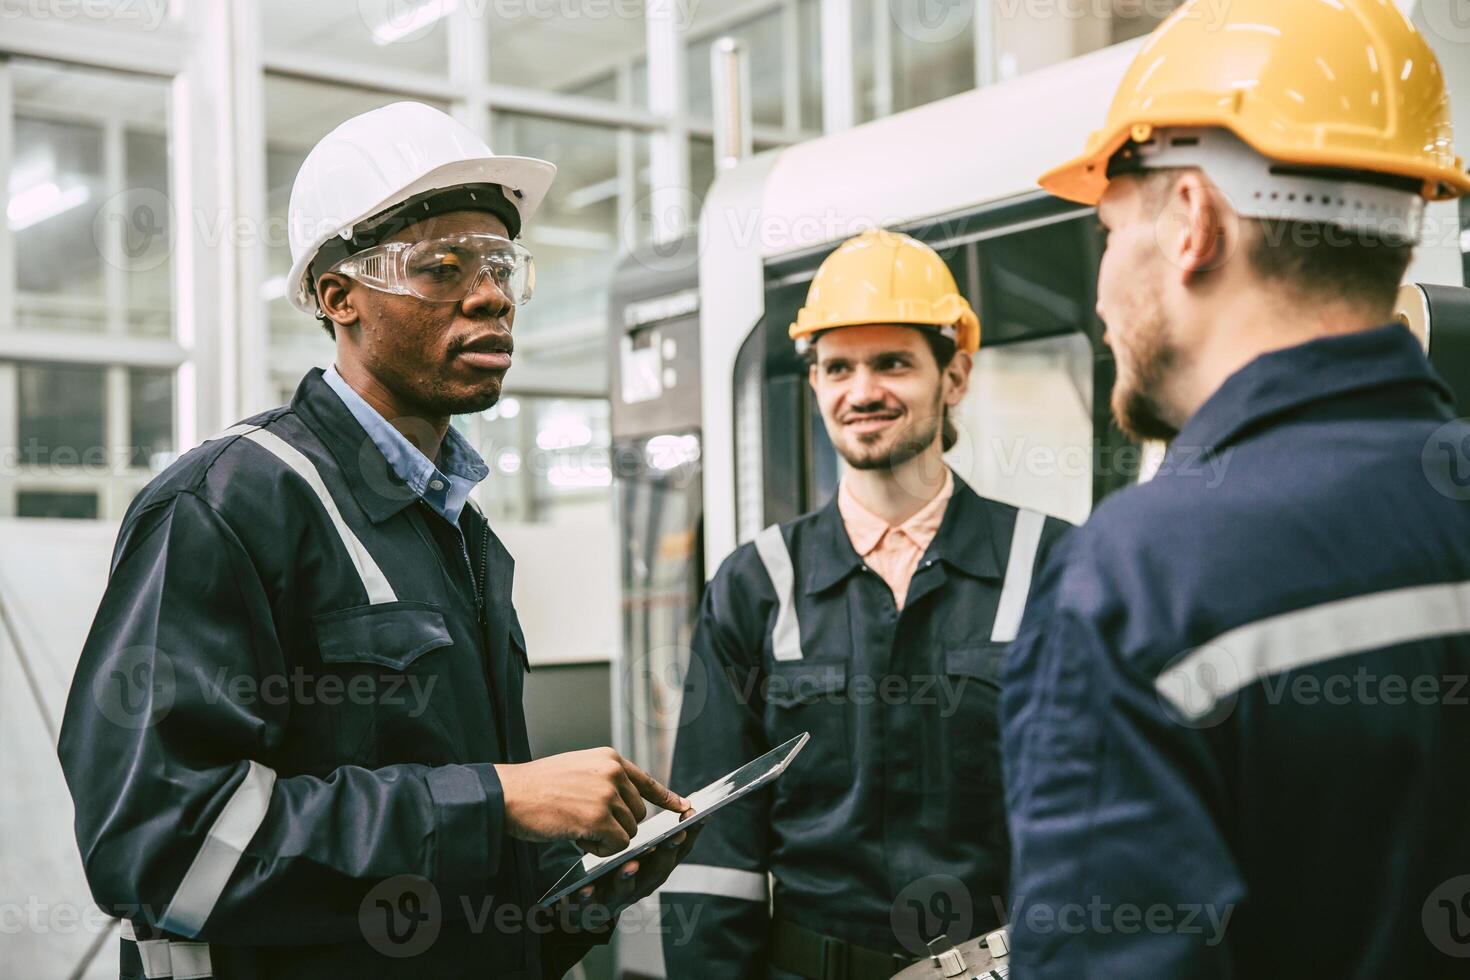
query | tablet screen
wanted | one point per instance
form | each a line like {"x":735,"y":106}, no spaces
{"x":663,"y":824}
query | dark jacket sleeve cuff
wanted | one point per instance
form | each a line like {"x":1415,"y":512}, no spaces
{"x":469,"y":818}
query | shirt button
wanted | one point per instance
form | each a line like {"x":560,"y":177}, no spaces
{"x":437,"y":485}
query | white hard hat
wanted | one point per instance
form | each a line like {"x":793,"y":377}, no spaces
{"x":385,"y":157}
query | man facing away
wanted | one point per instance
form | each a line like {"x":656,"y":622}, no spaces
{"x":1234,"y":721}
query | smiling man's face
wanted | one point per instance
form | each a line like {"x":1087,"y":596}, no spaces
{"x":882,"y":393}
{"x":435,"y":359}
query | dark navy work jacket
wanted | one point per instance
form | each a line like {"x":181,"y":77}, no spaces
{"x":282,"y":734}
{"x":889,"y":824}
{"x":1237,"y":724}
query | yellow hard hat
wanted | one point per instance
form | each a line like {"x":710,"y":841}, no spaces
{"x":1342,"y":84}
{"x":886,"y":277}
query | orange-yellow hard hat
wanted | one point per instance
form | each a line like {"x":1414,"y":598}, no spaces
{"x":886,"y":277}
{"x":1336,"y":84}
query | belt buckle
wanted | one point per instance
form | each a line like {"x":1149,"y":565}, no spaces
{"x":834,"y":959}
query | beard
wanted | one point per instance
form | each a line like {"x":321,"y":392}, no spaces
{"x":445,"y":399}
{"x":870,"y":452}
{"x":1146,"y":360}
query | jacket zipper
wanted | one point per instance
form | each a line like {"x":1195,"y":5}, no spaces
{"x":478,"y":580}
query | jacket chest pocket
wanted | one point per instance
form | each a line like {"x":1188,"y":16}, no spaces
{"x":968,"y":732}
{"x":811,"y":696}
{"x":382,"y":663}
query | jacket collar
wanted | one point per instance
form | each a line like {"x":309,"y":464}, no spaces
{"x":966,"y":540}
{"x":1320,"y":370}
{"x":376,"y":486}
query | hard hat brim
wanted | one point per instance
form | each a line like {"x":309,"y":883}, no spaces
{"x":1084,"y":179}
{"x":528,"y":175}
{"x":967,"y":328}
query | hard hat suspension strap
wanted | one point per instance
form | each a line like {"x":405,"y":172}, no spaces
{"x":1259,"y":188}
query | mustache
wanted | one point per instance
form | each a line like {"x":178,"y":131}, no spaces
{"x":875,"y":408}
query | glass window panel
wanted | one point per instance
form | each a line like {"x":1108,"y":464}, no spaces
{"x":56,"y":504}
{"x":1026,"y":427}
{"x":764,"y":48}
{"x":933,"y":49}
{"x":701,"y":166}
{"x":1028,"y":37}
{"x":593,"y":212}
{"x":297,"y":114}
{"x":60,"y":415}
{"x":638,"y":83}
{"x":87,"y":201}
{"x":59,"y":270}
{"x":405,"y":34}
{"x":150,"y":418}
{"x":810,"y":12}
{"x":570,"y":46}
{"x":147,"y":242}
{"x":871,"y":90}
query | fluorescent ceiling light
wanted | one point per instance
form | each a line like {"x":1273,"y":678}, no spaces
{"x":41,"y":202}
{"x":397,"y":27}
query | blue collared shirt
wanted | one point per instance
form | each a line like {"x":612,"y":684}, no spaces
{"x":445,"y":489}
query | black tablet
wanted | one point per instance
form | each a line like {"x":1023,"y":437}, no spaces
{"x":660,"y":826}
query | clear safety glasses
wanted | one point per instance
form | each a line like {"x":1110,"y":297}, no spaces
{"x":445,"y":270}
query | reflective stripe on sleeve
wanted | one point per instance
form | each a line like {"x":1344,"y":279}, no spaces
{"x":1198,"y":681}
{"x":1025,"y":540}
{"x":786,"y":637}
{"x":152,"y":953}
{"x":215,"y":861}
{"x":190,"y":961}
{"x":709,"y":879}
{"x":373,"y":579}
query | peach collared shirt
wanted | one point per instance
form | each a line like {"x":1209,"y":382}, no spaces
{"x":893,"y":552}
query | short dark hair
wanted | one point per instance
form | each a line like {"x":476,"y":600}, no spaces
{"x":1314,"y":259}
{"x":1322,"y":260}
{"x":944,"y":351}
{"x":324,"y":320}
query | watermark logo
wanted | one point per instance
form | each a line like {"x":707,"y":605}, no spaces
{"x":401,"y":917}
{"x":137,"y":688}
{"x":1099,"y":917}
{"x":933,"y":906}
{"x":148,"y":15}
{"x":665,"y":687}
{"x":932,"y":21}
{"x":131,"y":229}
{"x":1448,"y":19}
{"x":1446,"y":459}
{"x":1199,"y":688}
{"x":1446,"y":917}
{"x":399,"y":21}
{"x":653,"y":229}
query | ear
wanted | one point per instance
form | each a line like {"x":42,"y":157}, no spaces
{"x":957,"y":378}
{"x":334,"y":299}
{"x":811,"y":375}
{"x":1200,"y":216}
